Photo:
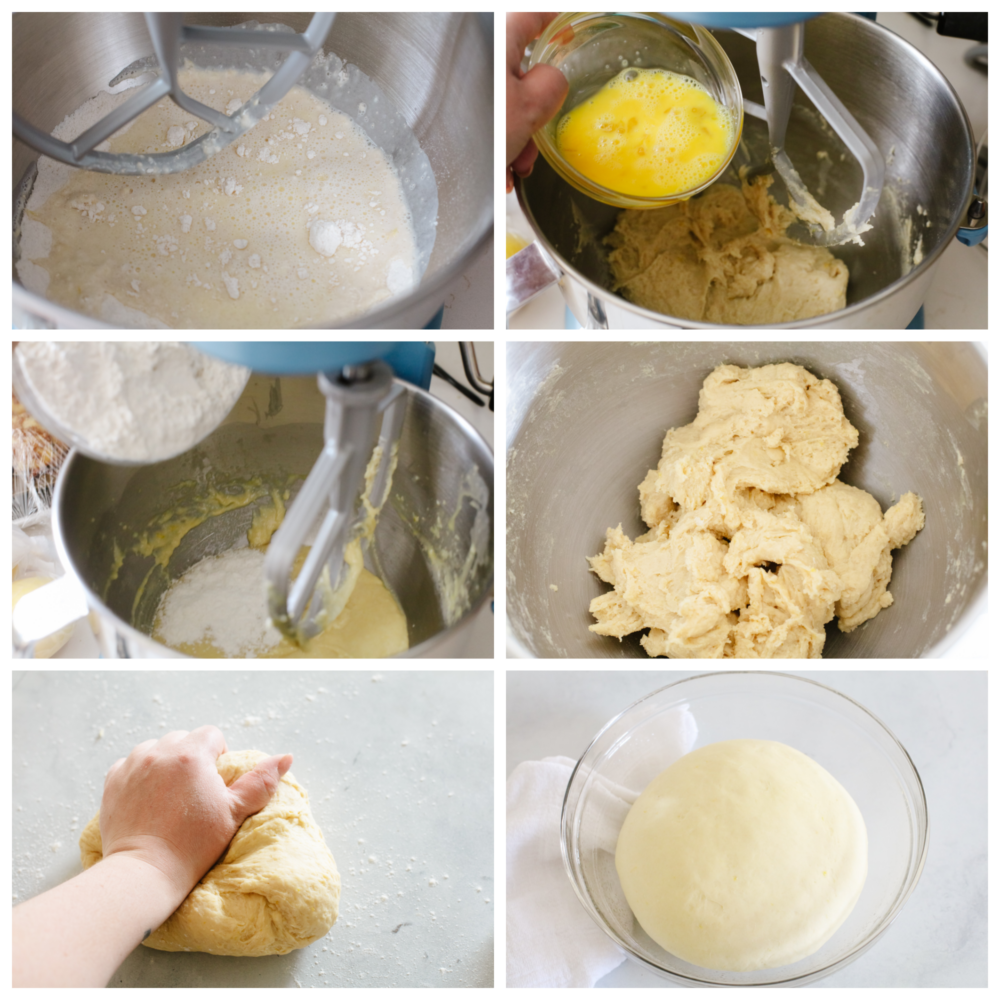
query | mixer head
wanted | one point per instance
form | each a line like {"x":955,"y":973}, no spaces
{"x":167,"y":32}
{"x":356,"y":397}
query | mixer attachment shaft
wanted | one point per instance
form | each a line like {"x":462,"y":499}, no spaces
{"x":355,"y":398}
{"x":782,"y":66}
{"x":167,"y":33}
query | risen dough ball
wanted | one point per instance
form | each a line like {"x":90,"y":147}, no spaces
{"x":743,"y":855}
{"x":276,"y":889}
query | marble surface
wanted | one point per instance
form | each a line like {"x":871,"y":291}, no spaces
{"x":398,"y":766}
{"x":940,"y":937}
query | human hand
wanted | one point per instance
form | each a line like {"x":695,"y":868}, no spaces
{"x":532,"y":99}
{"x":166,"y":804}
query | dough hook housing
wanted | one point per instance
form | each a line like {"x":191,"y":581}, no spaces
{"x":167,"y":32}
{"x":779,"y":38}
{"x":782,"y":66}
{"x":355,"y":399}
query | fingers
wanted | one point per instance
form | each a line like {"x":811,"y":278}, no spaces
{"x":210,"y":738}
{"x":253,"y":790}
{"x":532,"y":102}
{"x":525,"y":160}
{"x":521,"y":29}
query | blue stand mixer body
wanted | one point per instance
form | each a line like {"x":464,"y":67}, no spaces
{"x":411,"y":361}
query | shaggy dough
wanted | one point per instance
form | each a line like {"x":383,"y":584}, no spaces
{"x":724,"y":258}
{"x":277,"y":887}
{"x":754,"y":544}
{"x":743,"y":855}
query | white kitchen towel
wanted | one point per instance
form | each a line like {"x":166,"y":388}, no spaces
{"x":551,"y":939}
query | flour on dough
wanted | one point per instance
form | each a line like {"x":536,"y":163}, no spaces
{"x":277,"y":887}
{"x":724,"y":258}
{"x":753,"y":542}
{"x":743,"y":855}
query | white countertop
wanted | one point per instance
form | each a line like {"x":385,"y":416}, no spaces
{"x":398,"y":766}
{"x":940,"y":937}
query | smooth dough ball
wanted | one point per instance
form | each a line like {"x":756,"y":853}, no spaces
{"x":276,"y":889}
{"x":743,"y":855}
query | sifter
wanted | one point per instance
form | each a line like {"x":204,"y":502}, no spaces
{"x":167,"y":32}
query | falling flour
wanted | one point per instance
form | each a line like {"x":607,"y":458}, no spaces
{"x":221,"y":601}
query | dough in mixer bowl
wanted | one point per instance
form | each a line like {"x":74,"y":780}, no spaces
{"x":754,"y":543}
{"x":724,"y":258}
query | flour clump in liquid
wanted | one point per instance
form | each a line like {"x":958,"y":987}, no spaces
{"x":230,"y":242}
{"x":754,"y":544}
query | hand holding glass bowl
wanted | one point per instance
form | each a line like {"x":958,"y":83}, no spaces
{"x":664,"y":75}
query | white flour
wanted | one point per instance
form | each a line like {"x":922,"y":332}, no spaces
{"x":220,"y":600}
{"x":139,"y":402}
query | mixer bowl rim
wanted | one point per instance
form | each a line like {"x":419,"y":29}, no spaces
{"x":97,"y":606}
{"x":663,"y":319}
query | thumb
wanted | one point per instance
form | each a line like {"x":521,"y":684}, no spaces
{"x":538,"y":96}
{"x":252,"y":791}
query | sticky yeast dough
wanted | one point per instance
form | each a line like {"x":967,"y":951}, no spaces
{"x":275,"y":889}
{"x":743,"y":855}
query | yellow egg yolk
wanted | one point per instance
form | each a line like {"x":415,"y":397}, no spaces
{"x":648,"y":133}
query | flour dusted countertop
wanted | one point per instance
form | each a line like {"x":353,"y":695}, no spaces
{"x":399,"y":770}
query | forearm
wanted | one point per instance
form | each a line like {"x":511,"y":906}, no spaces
{"x":78,"y":933}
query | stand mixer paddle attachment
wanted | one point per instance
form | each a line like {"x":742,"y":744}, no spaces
{"x":779,"y":39}
{"x":346,"y":489}
{"x":167,"y":32}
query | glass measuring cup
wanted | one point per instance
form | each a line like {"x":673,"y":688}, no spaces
{"x":590,"y":49}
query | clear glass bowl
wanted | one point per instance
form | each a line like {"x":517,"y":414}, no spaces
{"x":846,"y":739}
{"x":591,"y":49}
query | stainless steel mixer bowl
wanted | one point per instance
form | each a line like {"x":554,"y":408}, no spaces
{"x":435,"y":69}
{"x":276,"y":431}
{"x":585,"y":422}
{"x":907,"y":107}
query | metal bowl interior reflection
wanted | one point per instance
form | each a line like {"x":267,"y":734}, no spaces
{"x":839,"y":734}
{"x":440,"y":509}
{"x":585,"y":422}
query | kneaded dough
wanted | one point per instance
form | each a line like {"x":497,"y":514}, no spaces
{"x":277,"y":887}
{"x":745,"y":854}
{"x":724,"y":258}
{"x":754,"y":544}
